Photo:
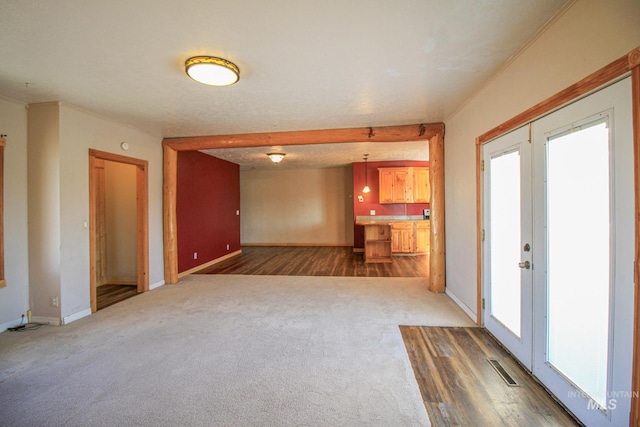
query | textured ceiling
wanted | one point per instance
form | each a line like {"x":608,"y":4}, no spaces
{"x":322,"y":155}
{"x":305,"y":64}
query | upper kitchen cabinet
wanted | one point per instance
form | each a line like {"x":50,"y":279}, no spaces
{"x":421,"y":186}
{"x":404,"y":185}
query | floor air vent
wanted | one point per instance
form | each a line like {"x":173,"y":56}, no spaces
{"x":503,"y":373}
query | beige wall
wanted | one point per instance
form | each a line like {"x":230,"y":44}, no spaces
{"x":588,"y":36}
{"x":68,"y":203}
{"x":14,"y":298}
{"x":120,"y":207}
{"x":305,"y":206}
{"x":44,"y":209}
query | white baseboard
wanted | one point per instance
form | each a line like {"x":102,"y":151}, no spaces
{"x":156,"y":285}
{"x":53,"y":321}
{"x":11,"y":324}
{"x":209,"y":264}
{"x":79,"y":315}
{"x":462,"y":305}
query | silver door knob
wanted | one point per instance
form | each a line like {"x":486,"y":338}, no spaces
{"x":525,"y":264}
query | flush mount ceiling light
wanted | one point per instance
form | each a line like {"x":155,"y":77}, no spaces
{"x":366,"y":188}
{"x":276,"y":157}
{"x":212,"y":71}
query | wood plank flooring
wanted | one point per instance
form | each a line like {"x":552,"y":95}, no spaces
{"x":460,"y":387}
{"x":316,"y":261}
{"x":107,"y":295}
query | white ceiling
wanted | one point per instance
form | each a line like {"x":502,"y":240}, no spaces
{"x":304,"y":64}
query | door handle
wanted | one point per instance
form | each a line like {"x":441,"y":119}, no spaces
{"x":525,"y":264}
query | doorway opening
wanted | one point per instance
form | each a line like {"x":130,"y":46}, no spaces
{"x":119,"y":236}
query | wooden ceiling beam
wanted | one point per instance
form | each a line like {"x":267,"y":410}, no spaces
{"x":404,"y":133}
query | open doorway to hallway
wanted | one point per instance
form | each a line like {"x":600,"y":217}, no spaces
{"x":116,"y":260}
{"x":118,"y":228}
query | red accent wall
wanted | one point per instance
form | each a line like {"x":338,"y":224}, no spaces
{"x":371,"y":200}
{"x":207,"y":198}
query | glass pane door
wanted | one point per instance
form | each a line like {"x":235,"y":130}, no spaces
{"x":507,"y":258}
{"x":506,"y":294}
{"x":579,"y":256}
{"x":583,"y":247}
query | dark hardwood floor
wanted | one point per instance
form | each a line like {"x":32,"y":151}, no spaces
{"x":107,"y":295}
{"x":460,"y":387}
{"x":316,"y":261}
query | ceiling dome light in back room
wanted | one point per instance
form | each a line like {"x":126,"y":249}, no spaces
{"x":212,"y":71}
{"x":276,"y":157}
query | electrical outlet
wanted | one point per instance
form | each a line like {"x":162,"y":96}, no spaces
{"x":237,"y":212}
{"x":54,"y":302}
{"x":195,"y":255}
{"x":372,"y":212}
{"x":227,"y":246}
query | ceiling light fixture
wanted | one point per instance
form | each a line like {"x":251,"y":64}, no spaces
{"x":212,"y":71}
{"x":366,"y":188}
{"x":276,"y":157}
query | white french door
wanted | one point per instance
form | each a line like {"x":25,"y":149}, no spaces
{"x":507,"y":245}
{"x":576,"y":219}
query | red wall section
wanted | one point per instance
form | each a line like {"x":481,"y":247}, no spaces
{"x":208,"y":196}
{"x":371,"y":201}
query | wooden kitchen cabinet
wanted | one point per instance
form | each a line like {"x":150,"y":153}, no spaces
{"x":377,"y":243}
{"x":386,"y":177}
{"x":404,"y":185}
{"x":423,"y":236}
{"x":402,"y":237}
{"x":410,"y":237}
{"x":421,"y":186}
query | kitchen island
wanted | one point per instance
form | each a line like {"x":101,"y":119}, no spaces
{"x":387,"y":236}
{"x":377,"y":240}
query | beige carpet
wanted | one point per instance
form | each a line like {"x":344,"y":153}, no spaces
{"x":227,"y":350}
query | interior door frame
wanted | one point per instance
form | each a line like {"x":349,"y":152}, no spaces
{"x":626,"y":65}
{"x":431,"y":133}
{"x":142,"y":218}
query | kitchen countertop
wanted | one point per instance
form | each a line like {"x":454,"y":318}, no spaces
{"x":386,"y":220}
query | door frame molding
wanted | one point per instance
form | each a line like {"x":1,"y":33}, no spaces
{"x":142,"y":218}
{"x":623,"y":67}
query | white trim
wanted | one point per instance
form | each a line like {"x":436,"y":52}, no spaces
{"x":209,"y":264}
{"x":79,"y":315}
{"x":156,"y":285}
{"x":11,"y":324}
{"x":462,"y":305}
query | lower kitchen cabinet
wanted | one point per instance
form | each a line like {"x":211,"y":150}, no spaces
{"x":402,"y":237}
{"x":410,"y":237}
{"x":377,"y":243}
{"x":423,"y":236}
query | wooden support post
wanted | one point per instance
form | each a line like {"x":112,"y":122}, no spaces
{"x":436,"y":178}
{"x":169,"y":214}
